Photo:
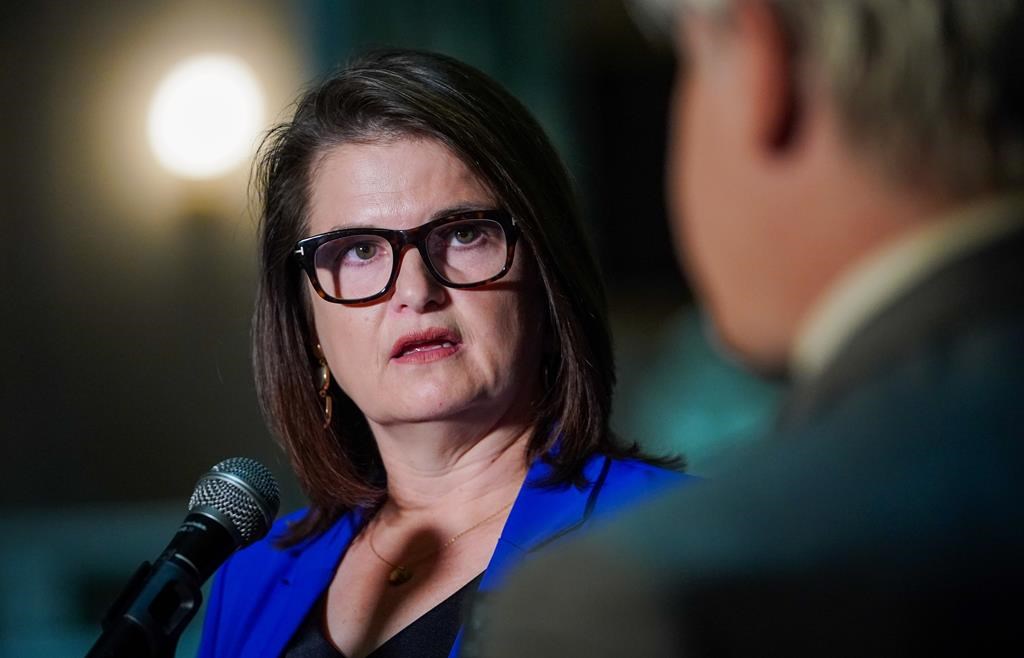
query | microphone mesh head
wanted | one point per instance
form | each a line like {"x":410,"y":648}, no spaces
{"x":242,"y":492}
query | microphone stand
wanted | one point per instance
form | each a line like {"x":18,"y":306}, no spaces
{"x":147,"y":619}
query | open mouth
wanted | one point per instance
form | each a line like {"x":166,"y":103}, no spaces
{"x":428,"y":345}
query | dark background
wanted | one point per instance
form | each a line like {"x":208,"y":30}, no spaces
{"x":126,"y":293}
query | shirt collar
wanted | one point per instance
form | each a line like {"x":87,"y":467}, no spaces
{"x":883,"y":275}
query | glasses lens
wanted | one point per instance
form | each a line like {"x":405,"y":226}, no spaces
{"x":469,"y":251}
{"x":353,"y":267}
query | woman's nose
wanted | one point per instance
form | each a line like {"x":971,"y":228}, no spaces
{"x":415,"y":287}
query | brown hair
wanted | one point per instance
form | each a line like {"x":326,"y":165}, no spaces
{"x":396,"y":93}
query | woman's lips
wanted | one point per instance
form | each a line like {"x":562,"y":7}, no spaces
{"x":426,"y":346}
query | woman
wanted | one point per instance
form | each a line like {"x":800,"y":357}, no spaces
{"x":432,"y":348}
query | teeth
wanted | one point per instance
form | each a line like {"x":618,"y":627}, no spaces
{"x":429,"y":347}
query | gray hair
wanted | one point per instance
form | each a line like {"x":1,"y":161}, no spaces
{"x":930,"y":89}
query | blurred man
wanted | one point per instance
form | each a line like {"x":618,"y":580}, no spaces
{"x":845,"y":183}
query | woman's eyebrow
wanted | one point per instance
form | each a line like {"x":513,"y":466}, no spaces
{"x":342,"y":227}
{"x":438,"y":214}
{"x":461,"y":208}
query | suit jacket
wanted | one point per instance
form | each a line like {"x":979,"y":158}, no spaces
{"x":261,"y":595}
{"x":882,"y":518}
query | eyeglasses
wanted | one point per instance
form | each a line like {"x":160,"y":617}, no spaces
{"x":358,"y":265}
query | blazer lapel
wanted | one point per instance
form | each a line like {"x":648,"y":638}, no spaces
{"x":311,"y":573}
{"x":540,"y":515}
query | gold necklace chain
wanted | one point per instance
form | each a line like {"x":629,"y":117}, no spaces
{"x":401,"y":573}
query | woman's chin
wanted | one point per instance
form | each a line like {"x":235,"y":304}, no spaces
{"x":423,"y":407}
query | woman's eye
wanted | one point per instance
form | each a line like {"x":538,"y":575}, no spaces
{"x":465,"y":235}
{"x":363,"y":251}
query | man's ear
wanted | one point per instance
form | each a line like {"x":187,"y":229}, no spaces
{"x":768,"y":68}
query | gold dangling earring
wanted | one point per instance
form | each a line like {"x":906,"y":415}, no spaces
{"x":324,"y":380}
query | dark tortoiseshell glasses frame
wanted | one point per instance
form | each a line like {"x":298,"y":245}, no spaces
{"x":401,"y":241}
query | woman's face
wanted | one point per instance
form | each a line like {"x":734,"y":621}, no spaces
{"x":423,"y":352}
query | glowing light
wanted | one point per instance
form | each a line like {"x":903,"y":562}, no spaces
{"x":205,"y":116}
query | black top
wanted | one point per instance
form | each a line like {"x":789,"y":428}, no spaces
{"x":432,"y":634}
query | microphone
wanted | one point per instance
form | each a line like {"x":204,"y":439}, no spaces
{"x":232,"y":506}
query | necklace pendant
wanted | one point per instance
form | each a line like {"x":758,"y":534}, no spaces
{"x":399,"y":576}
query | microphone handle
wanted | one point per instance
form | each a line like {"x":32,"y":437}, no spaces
{"x":149,"y":627}
{"x":149,"y":615}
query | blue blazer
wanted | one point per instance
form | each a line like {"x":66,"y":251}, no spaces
{"x":262,"y":594}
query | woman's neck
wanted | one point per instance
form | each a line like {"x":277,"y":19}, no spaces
{"x":432,"y":470}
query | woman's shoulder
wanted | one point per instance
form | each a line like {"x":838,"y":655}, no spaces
{"x":629,"y":481}
{"x":266,"y":556}
{"x":638,"y":472}
{"x":277,"y":532}
{"x":267,"y":562}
